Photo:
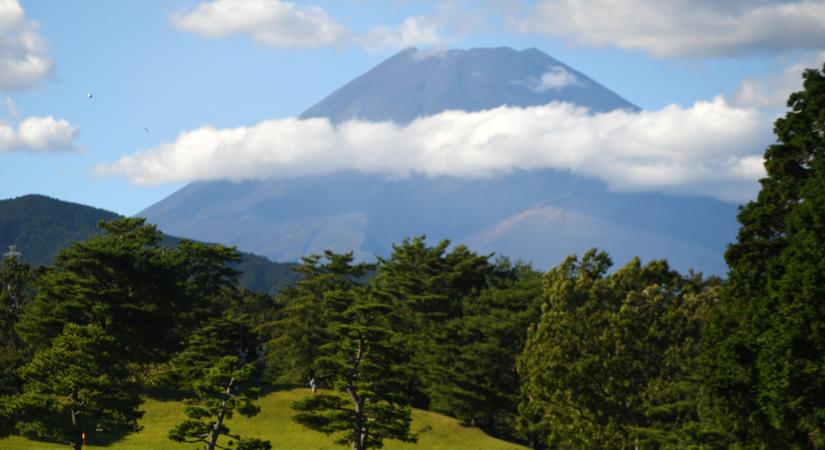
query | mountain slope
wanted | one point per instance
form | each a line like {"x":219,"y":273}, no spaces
{"x":40,"y":226}
{"x":413,"y":84}
{"x":541,"y":216}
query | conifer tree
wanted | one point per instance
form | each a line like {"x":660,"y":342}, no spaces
{"x":308,"y":307}
{"x":218,"y":370}
{"x":362,"y":362}
{"x":427,"y":286}
{"x":77,"y":386}
{"x":16,"y":290}
{"x":766,"y":350}
{"x":146,"y":296}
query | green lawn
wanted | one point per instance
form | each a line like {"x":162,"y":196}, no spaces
{"x":436,"y":432}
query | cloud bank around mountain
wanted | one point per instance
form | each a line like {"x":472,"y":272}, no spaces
{"x":710,"y":148}
{"x":679,"y":28}
{"x":24,"y":60}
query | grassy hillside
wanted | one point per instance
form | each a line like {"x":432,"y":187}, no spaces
{"x":40,"y":226}
{"x":436,"y":432}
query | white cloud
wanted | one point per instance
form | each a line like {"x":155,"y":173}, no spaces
{"x":281,"y":24}
{"x":772,"y":91}
{"x":413,"y":31}
{"x":39,"y":134}
{"x":273,"y":23}
{"x":556,"y":78}
{"x":681,"y":27}
{"x":710,"y":148}
{"x":23,"y":57}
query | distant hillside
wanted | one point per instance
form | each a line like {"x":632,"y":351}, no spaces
{"x":40,"y":226}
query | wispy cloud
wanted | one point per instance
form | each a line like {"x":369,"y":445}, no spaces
{"x":679,"y":28}
{"x":413,"y":31}
{"x":38,"y":134}
{"x":23,"y":52}
{"x":710,"y":148}
{"x":772,"y":91}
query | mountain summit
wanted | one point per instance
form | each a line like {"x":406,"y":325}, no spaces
{"x":417,"y":83}
{"x":540,"y":216}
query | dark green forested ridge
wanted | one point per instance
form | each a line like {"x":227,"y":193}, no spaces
{"x":40,"y":226}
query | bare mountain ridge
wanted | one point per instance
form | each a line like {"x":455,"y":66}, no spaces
{"x":540,"y":216}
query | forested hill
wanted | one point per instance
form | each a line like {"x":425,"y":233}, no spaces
{"x":40,"y":226}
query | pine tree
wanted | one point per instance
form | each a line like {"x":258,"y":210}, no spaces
{"x":362,"y":362}
{"x":308,"y":307}
{"x":427,"y":286}
{"x":77,"y":386}
{"x":146,"y":296}
{"x":766,"y":352}
{"x":218,"y":370}
{"x":475,"y":379}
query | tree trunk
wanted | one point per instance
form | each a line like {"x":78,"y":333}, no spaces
{"x":216,"y":430}
{"x":77,"y":439}
{"x":357,"y":402}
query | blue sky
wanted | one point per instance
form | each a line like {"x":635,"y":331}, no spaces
{"x":177,"y":66}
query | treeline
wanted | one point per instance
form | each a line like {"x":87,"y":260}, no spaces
{"x":583,"y":356}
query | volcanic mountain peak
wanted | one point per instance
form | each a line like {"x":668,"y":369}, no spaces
{"x":416,"y":83}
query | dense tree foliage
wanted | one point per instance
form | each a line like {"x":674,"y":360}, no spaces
{"x":78,"y":385}
{"x":766,"y":365}
{"x":41,"y":226}
{"x":364,"y":361}
{"x":607,"y":350}
{"x":16,"y":291}
{"x":148,"y":297}
{"x":427,"y":287}
{"x":475,"y":379}
{"x":298,"y":330}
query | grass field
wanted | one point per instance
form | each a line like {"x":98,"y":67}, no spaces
{"x":436,"y":432}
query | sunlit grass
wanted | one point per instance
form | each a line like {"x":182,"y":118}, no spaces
{"x":436,"y":432}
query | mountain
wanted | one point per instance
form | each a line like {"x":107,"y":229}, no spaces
{"x":40,"y":226}
{"x":413,"y":84}
{"x":541,"y":216}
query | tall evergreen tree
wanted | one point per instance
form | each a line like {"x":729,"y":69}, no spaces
{"x":308,"y":307}
{"x":77,"y":386}
{"x":363,"y":362}
{"x":475,"y":379}
{"x":766,"y":350}
{"x":218,"y":370}
{"x":427,"y":286}
{"x":146,"y":296}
